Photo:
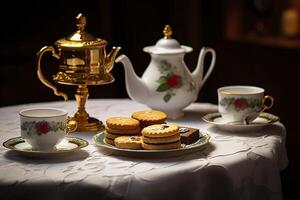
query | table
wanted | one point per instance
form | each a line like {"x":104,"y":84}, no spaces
{"x":234,"y":165}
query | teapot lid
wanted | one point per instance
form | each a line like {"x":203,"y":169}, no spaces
{"x":167,"y":45}
{"x":80,"y":39}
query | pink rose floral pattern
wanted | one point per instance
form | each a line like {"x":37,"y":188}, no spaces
{"x":170,"y":80}
{"x":174,"y":81}
{"x":42,"y":127}
{"x":240,"y":104}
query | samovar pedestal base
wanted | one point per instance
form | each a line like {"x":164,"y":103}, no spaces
{"x":85,"y":123}
{"x":89,"y":125}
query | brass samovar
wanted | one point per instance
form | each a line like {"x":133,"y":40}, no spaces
{"x":82,"y":62}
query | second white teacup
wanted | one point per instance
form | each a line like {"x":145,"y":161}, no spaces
{"x":44,"y":128}
{"x":242,"y":104}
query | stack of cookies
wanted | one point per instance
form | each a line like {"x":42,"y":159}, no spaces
{"x":149,"y":117}
{"x":121,"y":126}
{"x":161,"y":137}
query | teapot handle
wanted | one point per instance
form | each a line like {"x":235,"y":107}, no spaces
{"x":40,"y":74}
{"x":204,"y":51}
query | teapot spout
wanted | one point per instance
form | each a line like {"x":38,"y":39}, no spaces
{"x":135,"y":86}
{"x":110,"y":59}
{"x":197,"y":74}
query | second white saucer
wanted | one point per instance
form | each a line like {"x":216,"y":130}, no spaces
{"x":261,"y":121}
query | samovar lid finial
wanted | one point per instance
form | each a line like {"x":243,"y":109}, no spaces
{"x":81,"y":38}
{"x":81,"y":22}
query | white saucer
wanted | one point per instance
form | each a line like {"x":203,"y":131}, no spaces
{"x":261,"y":121}
{"x":69,"y":144}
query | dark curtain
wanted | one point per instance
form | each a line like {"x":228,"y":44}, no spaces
{"x":29,"y":25}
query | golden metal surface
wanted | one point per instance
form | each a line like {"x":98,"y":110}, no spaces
{"x":84,"y":121}
{"x":40,"y":74}
{"x":80,"y":79}
{"x":83,"y":62}
{"x":81,"y":22}
{"x":167,"y":32}
{"x":71,"y":125}
{"x":81,"y":39}
{"x":109,"y":62}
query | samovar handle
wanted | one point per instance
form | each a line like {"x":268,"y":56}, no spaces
{"x":40,"y":74}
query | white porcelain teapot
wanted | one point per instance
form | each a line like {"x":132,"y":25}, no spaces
{"x":167,"y":84}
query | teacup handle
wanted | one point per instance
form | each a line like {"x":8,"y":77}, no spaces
{"x":267,"y":106}
{"x":71,"y":125}
{"x":251,"y":116}
{"x":39,"y":70}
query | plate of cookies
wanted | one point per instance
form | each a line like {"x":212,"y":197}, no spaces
{"x":147,"y":133}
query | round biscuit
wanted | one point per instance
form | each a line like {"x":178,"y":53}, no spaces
{"x":161,"y":140}
{"x":150,"y":116}
{"x":128,"y":142}
{"x":175,"y":145}
{"x":124,"y":131}
{"x":145,"y":124}
{"x":114,"y":135}
{"x":109,"y":141}
{"x":122,"y":123}
{"x":160,"y":130}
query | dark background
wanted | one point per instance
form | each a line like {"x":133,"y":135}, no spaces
{"x":245,"y":54}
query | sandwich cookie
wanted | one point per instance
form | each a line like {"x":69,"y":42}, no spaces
{"x":161,"y":137}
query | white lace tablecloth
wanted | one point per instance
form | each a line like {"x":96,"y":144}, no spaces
{"x":234,"y":166}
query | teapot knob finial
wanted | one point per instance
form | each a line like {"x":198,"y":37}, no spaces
{"x":167,"y":32}
{"x":81,"y":22}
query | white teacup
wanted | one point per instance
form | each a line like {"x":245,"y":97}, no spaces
{"x":44,"y":128}
{"x":242,"y":104}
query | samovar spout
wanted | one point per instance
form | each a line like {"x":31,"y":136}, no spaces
{"x":110,"y":59}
